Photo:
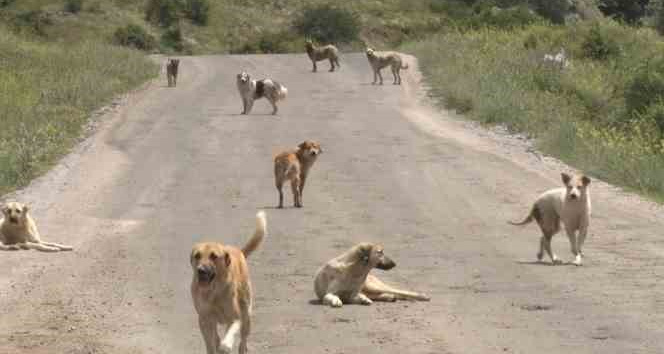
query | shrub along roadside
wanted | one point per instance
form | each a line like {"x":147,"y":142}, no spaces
{"x":595,"y":114}
{"x":47,"y":93}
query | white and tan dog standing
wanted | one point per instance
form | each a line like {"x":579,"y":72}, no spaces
{"x":569,"y":205}
{"x":251,"y":90}
{"x":221,"y":290}
{"x":346,"y":279}
{"x":18,"y":230}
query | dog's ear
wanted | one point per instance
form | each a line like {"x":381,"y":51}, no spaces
{"x":25,"y":209}
{"x":585,"y":180}
{"x":227,"y":259}
{"x":5,"y":209}
{"x":365,"y":254}
{"x":302,"y":145}
{"x":565,"y":178}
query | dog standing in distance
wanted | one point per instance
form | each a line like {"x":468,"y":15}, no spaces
{"x":251,"y":90}
{"x":378,"y":62}
{"x":18,"y":230}
{"x":172,"y":72}
{"x":329,"y":52}
{"x":294,"y":166}
{"x":346,"y":279}
{"x":221,"y":290}
{"x":569,"y":205}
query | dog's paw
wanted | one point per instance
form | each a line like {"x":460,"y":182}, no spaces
{"x":336,"y":303}
{"x":577,"y":261}
{"x":225,"y":348}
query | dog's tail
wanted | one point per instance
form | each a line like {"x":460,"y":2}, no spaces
{"x":375,"y":285}
{"x":282,"y":90}
{"x":259,"y":234}
{"x":534,"y":212}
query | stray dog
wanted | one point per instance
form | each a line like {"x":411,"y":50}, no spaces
{"x":19,"y":231}
{"x":294,"y":166}
{"x":251,"y":90}
{"x":346,"y":279}
{"x":221,"y":290}
{"x":321,"y":53}
{"x":571,"y":205}
{"x":559,"y":60}
{"x":378,"y":62}
{"x":172,"y":72}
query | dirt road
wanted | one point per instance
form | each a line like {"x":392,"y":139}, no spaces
{"x":176,"y":165}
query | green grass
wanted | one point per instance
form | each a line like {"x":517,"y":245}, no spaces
{"x":577,"y":114}
{"x":47,"y":92}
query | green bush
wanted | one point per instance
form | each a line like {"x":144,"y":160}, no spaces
{"x":198,"y":11}
{"x":162,"y":12}
{"x":172,"y":38}
{"x":553,"y":10}
{"x":655,"y":113}
{"x":5,"y":3}
{"x":518,"y":16}
{"x":134,"y":36}
{"x":327,"y":24}
{"x":73,"y":6}
{"x":599,"y":44}
{"x":647,"y":87}
{"x":36,"y":21}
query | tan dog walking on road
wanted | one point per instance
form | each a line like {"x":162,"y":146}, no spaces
{"x":329,"y":52}
{"x":346,"y":279}
{"x":221,"y":290}
{"x":569,"y":205}
{"x":380,"y":61}
{"x":18,"y":230}
{"x":294,"y":166}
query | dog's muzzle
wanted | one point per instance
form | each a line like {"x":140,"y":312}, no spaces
{"x":386,"y":264}
{"x":13,"y":220}
{"x":205,"y":274}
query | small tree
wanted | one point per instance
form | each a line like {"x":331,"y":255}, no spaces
{"x":198,"y":11}
{"x":328,"y":24}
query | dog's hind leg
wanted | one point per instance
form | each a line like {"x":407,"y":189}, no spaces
{"x":4,"y":247}
{"x":274,"y":106}
{"x":331,"y":64}
{"x":547,"y":247}
{"x":395,"y":74}
{"x":314,"y":69}
{"x":377,"y":290}
{"x":332,"y":300}
{"x":38,"y":246}
{"x":210,"y":335}
{"x":297,"y":194}
{"x":280,"y":185}
{"x":58,"y":246}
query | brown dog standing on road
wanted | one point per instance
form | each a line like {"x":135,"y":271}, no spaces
{"x":569,"y":205}
{"x":221,"y":290}
{"x":346,"y":279}
{"x":294,"y":166}
{"x":329,"y":52}
{"x":172,"y":72}
{"x":380,"y":61}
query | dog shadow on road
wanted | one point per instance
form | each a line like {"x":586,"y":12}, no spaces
{"x":542,"y":263}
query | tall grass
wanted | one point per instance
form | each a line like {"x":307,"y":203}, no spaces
{"x":578,"y":113}
{"x":47,"y":92}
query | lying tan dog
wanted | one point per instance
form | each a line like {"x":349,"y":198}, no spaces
{"x":294,"y":166}
{"x":221,"y":290}
{"x":346,"y":279}
{"x":19,"y":231}
{"x":329,"y":52}
{"x":251,"y":90}
{"x":378,"y":62}
{"x":571,"y":205}
{"x":172,"y":71}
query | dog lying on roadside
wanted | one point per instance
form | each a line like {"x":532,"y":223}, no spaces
{"x":380,"y":61}
{"x":221,"y":290}
{"x":569,"y":205}
{"x":172,"y":72}
{"x":329,"y":52}
{"x":251,"y":90}
{"x":18,"y":230}
{"x":346,"y":279}
{"x":294,"y":166}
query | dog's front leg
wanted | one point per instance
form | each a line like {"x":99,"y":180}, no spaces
{"x":361,"y":299}
{"x":375,"y":78}
{"x":314,"y":69}
{"x":229,"y":338}
{"x":244,"y":331}
{"x":580,"y":239}
{"x":297,"y":195}
{"x":331,"y":64}
{"x":573,"y":243}
{"x":380,"y":76}
{"x":210,"y":336}
{"x":332,"y":300}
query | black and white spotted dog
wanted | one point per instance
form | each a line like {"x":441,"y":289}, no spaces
{"x":251,"y":90}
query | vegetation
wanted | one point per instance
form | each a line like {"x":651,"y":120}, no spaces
{"x":603,"y":113}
